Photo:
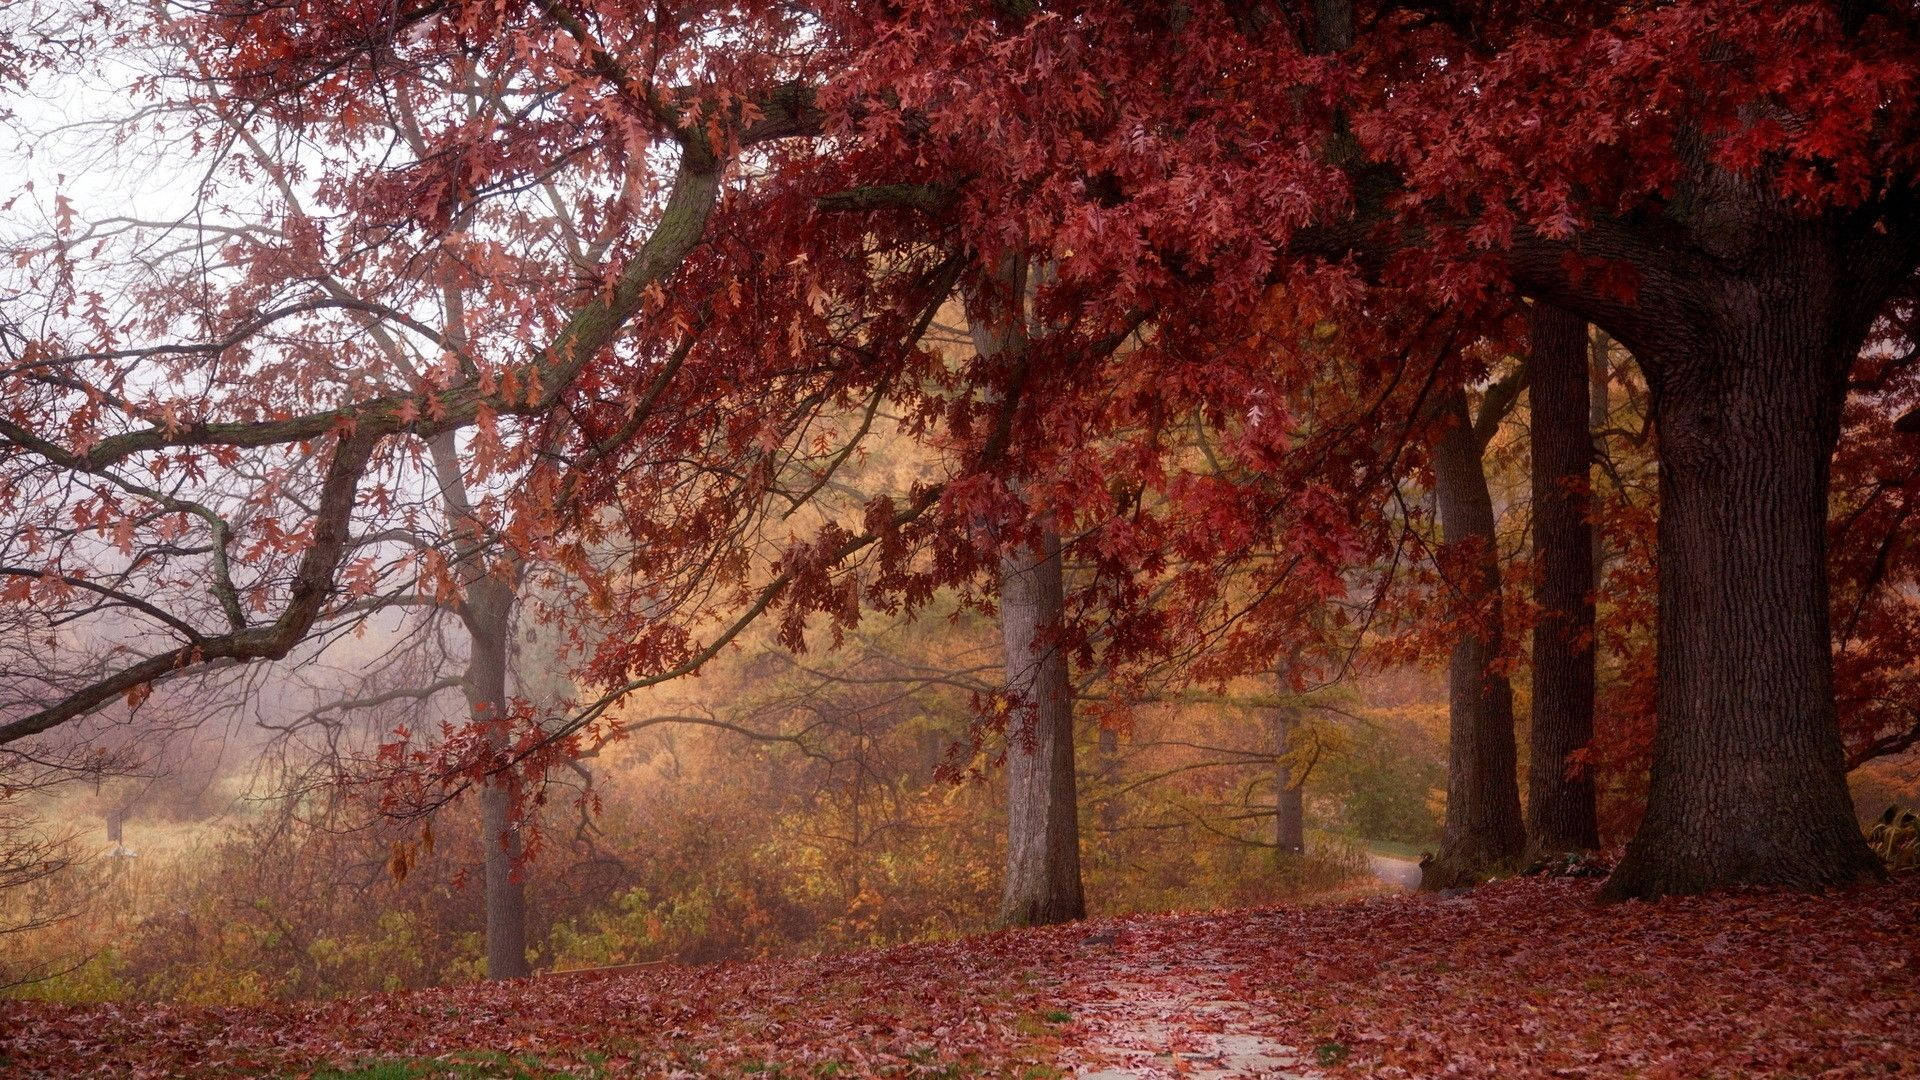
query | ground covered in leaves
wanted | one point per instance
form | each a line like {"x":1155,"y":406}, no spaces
{"x":1528,"y":978}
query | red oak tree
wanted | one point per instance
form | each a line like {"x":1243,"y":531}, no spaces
{"x":1727,"y":188}
{"x":1272,"y":222}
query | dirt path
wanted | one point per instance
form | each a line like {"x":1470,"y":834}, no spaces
{"x":1183,"y":1015}
{"x":1395,"y":871}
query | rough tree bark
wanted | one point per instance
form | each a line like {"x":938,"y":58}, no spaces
{"x":1483,"y":831}
{"x":1560,"y":808}
{"x":1043,"y":830}
{"x":1746,"y":315}
{"x":1749,"y":776}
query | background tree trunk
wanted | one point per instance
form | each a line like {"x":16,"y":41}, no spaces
{"x":1483,"y":831}
{"x":1043,"y":828}
{"x":487,"y":613}
{"x":489,"y":618}
{"x":1560,"y":809}
{"x":1749,"y":778}
{"x":1289,"y":801}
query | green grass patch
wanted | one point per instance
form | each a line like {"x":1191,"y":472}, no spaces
{"x":1330,"y":1053}
{"x":1396,"y":849}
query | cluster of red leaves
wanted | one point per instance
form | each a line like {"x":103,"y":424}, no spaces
{"x":1524,"y":978}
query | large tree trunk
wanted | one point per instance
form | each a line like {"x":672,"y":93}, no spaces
{"x":1749,"y":778}
{"x":1043,"y":829}
{"x":1560,"y":808}
{"x":489,"y":615}
{"x":1483,"y":832}
{"x":1289,"y":801}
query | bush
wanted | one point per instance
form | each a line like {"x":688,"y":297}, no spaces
{"x":1896,"y":838}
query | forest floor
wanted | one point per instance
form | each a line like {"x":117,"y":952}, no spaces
{"x":1525,"y":978}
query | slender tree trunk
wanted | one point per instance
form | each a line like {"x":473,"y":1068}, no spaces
{"x":1749,"y":778}
{"x":1043,"y":829}
{"x":1289,"y":833}
{"x":506,"y":894}
{"x":1483,"y":830}
{"x":1042,"y":882}
{"x":1289,"y":801}
{"x":489,"y":615}
{"x":1560,"y":808}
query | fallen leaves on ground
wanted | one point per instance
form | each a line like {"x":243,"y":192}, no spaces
{"x":1527,"y":978}
{"x":1533,"y":978}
